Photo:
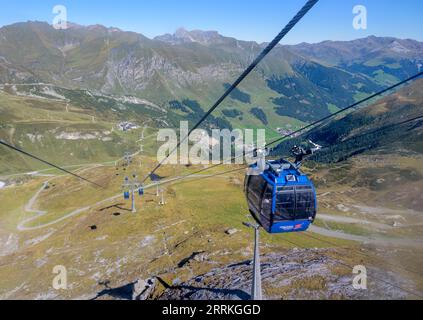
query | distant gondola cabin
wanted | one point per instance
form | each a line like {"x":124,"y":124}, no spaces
{"x":281,"y":198}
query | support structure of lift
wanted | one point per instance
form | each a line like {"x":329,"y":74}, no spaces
{"x":132,"y":184}
{"x":256,"y":290}
{"x":162,"y":200}
{"x":127,"y":158}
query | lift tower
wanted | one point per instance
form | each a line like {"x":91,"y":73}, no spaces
{"x":256,"y":291}
{"x":132,"y":184}
{"x":127,"y":158}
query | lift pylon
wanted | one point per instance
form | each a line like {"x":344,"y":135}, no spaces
{"x":256,"y":290}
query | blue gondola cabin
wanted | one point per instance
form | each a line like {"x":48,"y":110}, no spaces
{"x":281,"y":198}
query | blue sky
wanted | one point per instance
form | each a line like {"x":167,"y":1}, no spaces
{"x":258,"y":20}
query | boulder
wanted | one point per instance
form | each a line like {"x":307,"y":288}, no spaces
{"x":231,"y":231}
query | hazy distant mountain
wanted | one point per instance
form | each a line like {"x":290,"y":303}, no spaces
{"x":384,"y":59}
{"x":299,"y":82}
{"x":183,"y":36}
{"x":362,"y":50}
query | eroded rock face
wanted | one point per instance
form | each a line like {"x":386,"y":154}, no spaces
{"x":297,"y":274}
{"x":136,"y":72}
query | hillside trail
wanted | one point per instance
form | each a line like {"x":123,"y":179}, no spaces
{"x":29,"y":206}
{"x":349,"y":220}
{"x":38,"y":213}
{"x":373,"y":239}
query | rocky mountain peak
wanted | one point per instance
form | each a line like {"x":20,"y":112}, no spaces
{"x":182,"y":35}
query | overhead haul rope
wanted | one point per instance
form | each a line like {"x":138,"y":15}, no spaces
{"x":347,"y":108}
{"x":318,"y":122}
{"x":263,"y":54}
{"x":47,"y":163}
{"x":390,"y":126}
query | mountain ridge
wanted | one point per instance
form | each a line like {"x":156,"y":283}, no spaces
{"x":299,"y":82}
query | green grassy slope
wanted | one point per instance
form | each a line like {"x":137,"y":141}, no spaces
{"x":66,"y":133}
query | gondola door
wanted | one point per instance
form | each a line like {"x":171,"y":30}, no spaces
{"x":255,"y":188}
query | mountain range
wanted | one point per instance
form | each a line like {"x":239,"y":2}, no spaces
{"x":294,"y":84}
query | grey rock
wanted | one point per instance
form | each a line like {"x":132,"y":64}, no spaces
{"x":231,"y":231}
{"x":143,"y":289}
{"x":295,"y":274}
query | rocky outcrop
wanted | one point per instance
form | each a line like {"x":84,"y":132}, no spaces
{"x":297,"y":274}
{"x":144,"y":289}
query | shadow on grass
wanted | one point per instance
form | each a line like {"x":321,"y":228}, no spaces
{"x":116,"y":206}
{"x":121,"y":293}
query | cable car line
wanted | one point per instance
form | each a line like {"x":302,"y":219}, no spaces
{"x":318,"y":121}
{"x":205,"y":177}
{"x":48,"y":163}
{"x":390,"y":126}
{"x":304,"y":10}
{"x":321,"y":121}
{"x":348,"y":108}
{"x":323,"y":148}
{"x":280,"y":197}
